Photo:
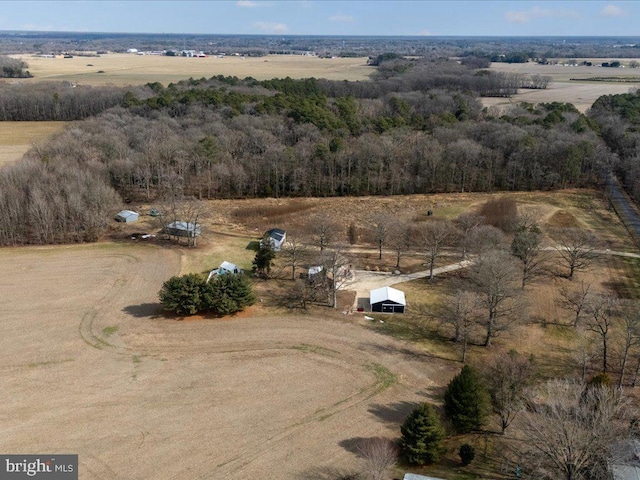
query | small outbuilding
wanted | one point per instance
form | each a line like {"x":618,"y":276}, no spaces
{"x":278,"y":237}
{"x":415,"y":476}
{"x":184,"y":229}
{"x":127,"y":216}
{"x":313,"y":271}
{"x":224,"y":269}
{"x":387,"y":300}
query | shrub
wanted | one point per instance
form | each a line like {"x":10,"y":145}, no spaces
{"x":466,"y":401}
{"x":467,"y":454}
{"x":501,"y":213}
{"x":422,"y":436}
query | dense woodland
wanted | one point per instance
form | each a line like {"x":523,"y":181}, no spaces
{"x":412,"y":130}
{"x":618,"y":118}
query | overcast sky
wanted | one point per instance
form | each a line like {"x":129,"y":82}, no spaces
{"x":326,"y":17}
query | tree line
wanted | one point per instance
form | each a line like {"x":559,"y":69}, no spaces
{"x":231,"y":138}
{"x":618,"y":120}
{"x":12,"y":68}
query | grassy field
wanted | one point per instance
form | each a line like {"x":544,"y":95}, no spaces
{"x":562,"y":89}
{"x":18,"y":137}
{"x":128,"y":69}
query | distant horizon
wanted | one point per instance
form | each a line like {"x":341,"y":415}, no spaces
{"x":174,"y":34}
{"x":383,"y":18}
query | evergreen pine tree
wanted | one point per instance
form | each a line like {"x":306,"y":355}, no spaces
{"x":466,"y":401}
{"x":264,"y":257}
{"x":422,"y":436}
{"x":182,"y":295}
{"x":227,"y":294}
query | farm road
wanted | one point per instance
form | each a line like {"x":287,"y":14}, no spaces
{"x":623,"y":206}
{"x":366,"y":280}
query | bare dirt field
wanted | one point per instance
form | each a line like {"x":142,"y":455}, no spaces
{"x":16,"y":138}
{"x":89,"y":368}
{"x":562,"y":89}
{"x":130,"y":69}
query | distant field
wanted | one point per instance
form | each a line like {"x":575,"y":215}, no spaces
{"x":562,"y":89}
{"x":127,"y":69}
{"x":18,"y":137}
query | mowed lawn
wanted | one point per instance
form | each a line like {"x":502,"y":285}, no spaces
{"x":130,"y":69}
{"x":16,"y":138}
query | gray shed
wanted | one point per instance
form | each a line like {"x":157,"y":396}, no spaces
{"x":184,"y":229}
{"x":127,"y":216}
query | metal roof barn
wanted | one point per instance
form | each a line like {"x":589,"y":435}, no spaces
{"x":387,"y":300}
{"x":127,"y":216}
{"x":184,"y":229}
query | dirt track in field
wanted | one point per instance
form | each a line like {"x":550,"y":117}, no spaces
{"x":88,"y":367}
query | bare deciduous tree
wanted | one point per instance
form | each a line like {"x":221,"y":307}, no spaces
{"x":526,"y":248}
{"x":338,"y":267}
{"x":325,"y":230}
{"x":400,"y":238}
{"x":381,"y":224}
{"x":494,"y":276}
{"x":465,"y":224}
{"x":584,"y":353}
{"x":435,"y":235}
{"x":294,"y":251}
{"x":571,"y":429}
{"x":486,"y":238}
{"x":460,"y":311}
{"x":575,"y":300}
{"x":507,"y":378}
{"x":600,"y":320}
{"x":577,"y":247}
{"x":379,"y":456}
{"x":629,"y":334}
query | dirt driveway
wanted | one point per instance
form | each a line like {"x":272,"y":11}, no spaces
{"x":365,"y":280}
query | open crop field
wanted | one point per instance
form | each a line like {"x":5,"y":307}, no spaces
{"x":90,"y":366}
{"x":130,"y":69}
{"x":16,"y":138}
{"x":562,"y":89}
